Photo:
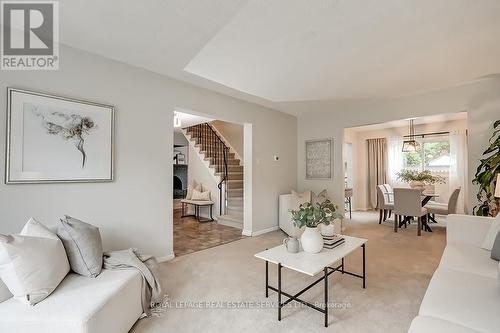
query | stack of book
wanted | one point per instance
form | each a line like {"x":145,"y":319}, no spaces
{"x":331,"y":242}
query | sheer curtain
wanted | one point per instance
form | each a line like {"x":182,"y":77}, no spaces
{"x":395,"y":159}
{"x":377,"y":167}
{"x":458,"y":168}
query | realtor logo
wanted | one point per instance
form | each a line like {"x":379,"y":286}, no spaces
{"x":30,"y":35}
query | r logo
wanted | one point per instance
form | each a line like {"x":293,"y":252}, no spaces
{"x":28,"y":28}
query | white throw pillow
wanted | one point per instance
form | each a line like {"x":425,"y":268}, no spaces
{"x":299,"y":198}
{"x":191,"y":188}
{"x":492,"y":234}
{"x":33,"y":263}
{"x":5,"y":293}
{"x":201,"y":196}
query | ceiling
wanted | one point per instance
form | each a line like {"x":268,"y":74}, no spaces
{"x":272,"y":51}
{"x":440,"y":118}
{"x":188,"y":119}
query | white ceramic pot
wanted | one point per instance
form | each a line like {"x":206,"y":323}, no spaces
{"x":311,"y":240}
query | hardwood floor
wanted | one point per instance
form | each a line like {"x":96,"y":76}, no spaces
{"x":191,"y":236}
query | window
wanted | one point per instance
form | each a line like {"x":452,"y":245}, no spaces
{"x":432,"y":154}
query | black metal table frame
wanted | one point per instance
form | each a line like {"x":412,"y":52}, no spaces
{"x":197,"y":211}
{"x":327,"y":271}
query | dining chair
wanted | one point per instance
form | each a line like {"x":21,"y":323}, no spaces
{"x":383,"y":205}
{"x":390,"y":192}
{"x":434,"y":208}
{"x":408,"y":202}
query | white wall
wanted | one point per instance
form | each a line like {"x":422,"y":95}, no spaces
{"x":233,"y":133}
{"x":480,"y":99}
{"x":136,"y":209}
{"x":198,"y":171}
{"x":360,"y":152}
{"x":180,"y":139}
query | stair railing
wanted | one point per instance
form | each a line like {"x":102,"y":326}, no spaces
{"x":217,"y":150}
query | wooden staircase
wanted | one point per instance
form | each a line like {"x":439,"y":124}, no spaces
{"x":226,"y":167}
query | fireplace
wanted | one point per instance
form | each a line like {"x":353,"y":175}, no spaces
{"x":180,"y":181}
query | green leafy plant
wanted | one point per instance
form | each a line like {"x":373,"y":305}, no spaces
{"x":425,"y":177}
{"x":485,"y":176}
{"x":311,"y":216}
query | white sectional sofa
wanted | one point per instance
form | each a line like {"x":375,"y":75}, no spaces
{"x":110,"y":303}
{"x":463,"y":295}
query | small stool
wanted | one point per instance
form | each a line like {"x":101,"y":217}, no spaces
{"x":197,"y":204}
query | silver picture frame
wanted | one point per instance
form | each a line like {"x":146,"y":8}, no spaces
{"x":10,"y":141}
{"x":318,"y":159}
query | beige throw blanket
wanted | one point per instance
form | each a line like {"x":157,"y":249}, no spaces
{"x":152,"y":291}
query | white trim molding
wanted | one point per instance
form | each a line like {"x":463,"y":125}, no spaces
{"x":166,"y":258}
{"x":261,"y":232}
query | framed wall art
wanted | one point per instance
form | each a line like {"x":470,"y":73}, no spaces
{"x":319,"y":159}
{"x":52,"y":139}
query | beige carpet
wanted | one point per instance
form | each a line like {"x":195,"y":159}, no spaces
{"x":399,"y":267}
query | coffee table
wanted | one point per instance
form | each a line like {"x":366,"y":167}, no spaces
{"x":311,"y":264}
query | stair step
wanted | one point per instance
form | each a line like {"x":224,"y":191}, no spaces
{"x":232,"y":175}
{"x":235,"y":201}
{"x":231,"y":220}
{"x":236,"y":214}
{"x":209,"y":153}
{"x":230,"y":168}
{"x":235,"y":208}
{"x":230,"y":161}
{"x":234,"y":184}
{"x":235,"y":168}
{"x":234,"y":192}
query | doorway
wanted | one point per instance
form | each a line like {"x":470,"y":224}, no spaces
{"x":208,"y":182}
{"x":440,"y":149}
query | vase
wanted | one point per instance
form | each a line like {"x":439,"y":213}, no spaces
{"x":328,"y":230}
{"x":415,"y":184}
{"x":311,"y":240}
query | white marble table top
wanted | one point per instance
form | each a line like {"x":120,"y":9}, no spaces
{"x":308,"y":263}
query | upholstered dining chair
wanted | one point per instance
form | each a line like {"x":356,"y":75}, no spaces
{"x":434,"y":208}
{"x":389,"y":192}
{"x":408,"y":202}
{"x":384,"y":206}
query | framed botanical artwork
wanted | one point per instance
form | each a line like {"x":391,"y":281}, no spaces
{"x":52,"y":139}
{"x":319,"y":159}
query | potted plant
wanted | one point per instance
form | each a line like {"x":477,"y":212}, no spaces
{"x":311,"y":216}
{"x":418,"y":180}
{"x":485,"y":176}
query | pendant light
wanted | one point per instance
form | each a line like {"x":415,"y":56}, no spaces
{"x":410,"y":145}
{"x":177,"y":120}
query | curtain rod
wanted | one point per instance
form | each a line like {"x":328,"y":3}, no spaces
{"x":423,"y":135}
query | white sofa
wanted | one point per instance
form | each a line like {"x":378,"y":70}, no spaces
{"x":463,"y":295}
{"x":110,"y":303}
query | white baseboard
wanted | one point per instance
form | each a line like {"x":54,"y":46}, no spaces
{"x":247,"y":232}
{"x":166,"y":258}
{"x":265,"y":231}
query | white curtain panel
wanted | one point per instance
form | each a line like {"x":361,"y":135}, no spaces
{"x":395,"y":159}
{"x":458,"y":168}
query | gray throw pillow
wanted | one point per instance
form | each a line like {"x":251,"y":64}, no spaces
{"x":83,"y":245}
{"x":495,"y":251}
